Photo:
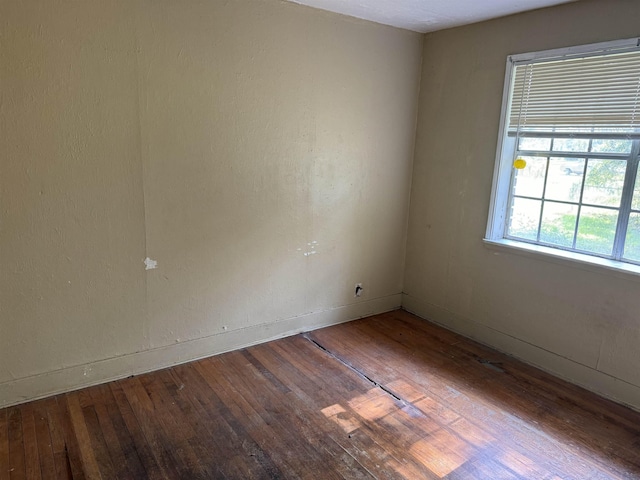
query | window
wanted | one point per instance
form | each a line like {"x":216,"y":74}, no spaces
{"x":567,"y":174}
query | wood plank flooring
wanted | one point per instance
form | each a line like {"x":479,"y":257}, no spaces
{"x":388,"y":397}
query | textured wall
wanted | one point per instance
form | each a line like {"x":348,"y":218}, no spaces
{"x":259,"y":152}
{"x":581,"y":323}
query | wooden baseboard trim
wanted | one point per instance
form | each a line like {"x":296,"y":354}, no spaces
{"x":67,"y":379}
{"x":584,"y":376}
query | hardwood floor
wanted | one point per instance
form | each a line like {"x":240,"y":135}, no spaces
{"x":390,"y":396}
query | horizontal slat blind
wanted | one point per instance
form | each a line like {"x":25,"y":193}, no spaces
{"x":600,"y":92}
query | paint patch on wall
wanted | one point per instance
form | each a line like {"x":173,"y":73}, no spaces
{"x":150,"y":264}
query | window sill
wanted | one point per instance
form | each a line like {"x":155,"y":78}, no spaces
{"x":572,"y":259}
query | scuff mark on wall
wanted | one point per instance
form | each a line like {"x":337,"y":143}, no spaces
{"x":312,"y":249}
{"x":150,"y":264}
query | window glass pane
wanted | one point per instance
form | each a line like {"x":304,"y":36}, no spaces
{"x":632,"y":243}
{"x":571,"y":145}
{"x":558,"y":223}
{"x":636,"y":193}
{"x":611,"y":146}
{"x":603,"y":182}
{"x":564,"y":179}
{"x":539,"y":144}
{"x":524,"y":218}
{"x":529,"y":181}
{"x":596,"y":230}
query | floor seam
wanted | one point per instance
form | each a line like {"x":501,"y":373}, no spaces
{"x":357,"y":371}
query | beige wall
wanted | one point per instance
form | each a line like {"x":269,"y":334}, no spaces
{"x":582,"y":324}
{"x":259,"y":151}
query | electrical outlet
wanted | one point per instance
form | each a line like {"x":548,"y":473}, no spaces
{"x":358,"y":290}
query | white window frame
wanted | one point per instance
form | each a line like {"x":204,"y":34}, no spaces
{"x":503,"y":169}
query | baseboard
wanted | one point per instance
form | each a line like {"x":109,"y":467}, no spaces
{"x":72,"y":378}
{"x":593,"y":380}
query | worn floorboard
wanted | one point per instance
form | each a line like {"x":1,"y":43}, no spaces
{"x":390,"y":396}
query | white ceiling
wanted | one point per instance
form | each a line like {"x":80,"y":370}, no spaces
{"x":428,"y":15}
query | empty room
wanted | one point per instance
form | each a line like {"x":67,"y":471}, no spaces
{"x":357,"y":239}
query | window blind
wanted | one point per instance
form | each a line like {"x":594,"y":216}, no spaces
{"x":598,"y":93}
